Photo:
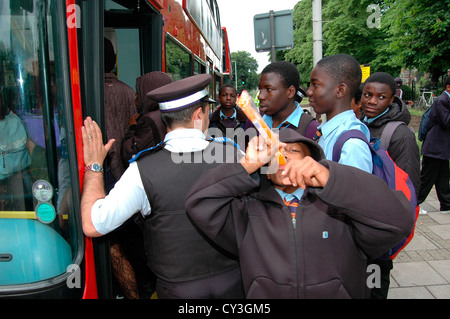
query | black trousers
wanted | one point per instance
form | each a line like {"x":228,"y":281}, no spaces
{"x":385,"y":280}
{"x":435,"y":172}
{"x":224,"y":286}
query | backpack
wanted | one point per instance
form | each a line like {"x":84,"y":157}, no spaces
{"x":14,"y":156}
{"x":386,"y":169}
{"x":388,"y":131}
{"x":145,"y":136}
{"x":303,"y":124}
{"x":423,"y":126}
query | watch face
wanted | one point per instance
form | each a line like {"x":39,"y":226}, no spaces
{"x":96,"y":167}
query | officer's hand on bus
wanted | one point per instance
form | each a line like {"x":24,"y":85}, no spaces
{"x":94,"y":150}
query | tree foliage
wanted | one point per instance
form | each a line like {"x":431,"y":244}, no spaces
{"x":418,"y":32}
{"x":413,"y":34}
{"x":246,"y":65}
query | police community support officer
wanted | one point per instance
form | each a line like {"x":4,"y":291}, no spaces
{"x":186,"y":264}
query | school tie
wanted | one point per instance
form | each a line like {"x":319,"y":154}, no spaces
{"x":284,"y":125}
{"x":317,"y":135}
{"x":292,"y":205}
{"x":223,"y":117}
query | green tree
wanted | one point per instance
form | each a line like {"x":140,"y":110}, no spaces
{"x":413,"y":34}
{"x":418,"y":34}
{"x":302,"y":52}
{"x":248,"y":66}
{"x":345,"y":30}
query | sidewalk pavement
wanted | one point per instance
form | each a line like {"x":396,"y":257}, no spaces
{"x":422,"y":269}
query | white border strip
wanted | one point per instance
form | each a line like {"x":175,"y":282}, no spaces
{"x":165,"y":106}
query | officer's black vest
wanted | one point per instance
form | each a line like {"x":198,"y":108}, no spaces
{"x":176,"y":249}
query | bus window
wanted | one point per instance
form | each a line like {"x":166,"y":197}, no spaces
{"x":178,"y":60}
{"x":199,"y":66}
{"x":39,"y":236}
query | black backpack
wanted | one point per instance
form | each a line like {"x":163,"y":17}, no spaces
{"x":423,"y":127}
{"x":146,"y":135}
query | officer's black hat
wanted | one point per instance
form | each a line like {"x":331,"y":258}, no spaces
{"x":183,"y":93}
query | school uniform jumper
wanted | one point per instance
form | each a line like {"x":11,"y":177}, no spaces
{"x":325,"y":255}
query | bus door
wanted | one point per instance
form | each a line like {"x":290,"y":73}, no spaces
{"x":41,"y":242}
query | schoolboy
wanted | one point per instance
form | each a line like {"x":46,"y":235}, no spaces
{"x":380,"y":106}
{"x":228,"y":120}
{"x":356,"y":102}
{"x":334,"y":83}
{"x":279,"y":97}
{"x":320,"y":249}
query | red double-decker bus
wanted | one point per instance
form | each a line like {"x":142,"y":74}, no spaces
{"x":52,"y":76}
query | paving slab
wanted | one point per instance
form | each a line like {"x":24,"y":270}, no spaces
{"x":442,"y":231}
{"x":438,"y":217}
{"x":440,"y":291}
{"x":410,"y":293}
{"x":442,"y":267}
{"x":411,"y":274}
{"x":422,"y":269}
{"x":420,"y":242}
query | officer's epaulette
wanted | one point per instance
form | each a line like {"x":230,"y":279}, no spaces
{"x":224,"y":140}
{"x":150,"y":150}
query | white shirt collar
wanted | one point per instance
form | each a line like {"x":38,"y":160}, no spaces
{"x":185,"y":140}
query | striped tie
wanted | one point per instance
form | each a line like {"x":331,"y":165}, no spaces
{"x":292,"y":205}
{"x":317,"y":135}
{"x":284,"y":125}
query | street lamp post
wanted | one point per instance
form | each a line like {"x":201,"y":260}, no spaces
{"x":235,"y":74}
{"x":317,"y":30}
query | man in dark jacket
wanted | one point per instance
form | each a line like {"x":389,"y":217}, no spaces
{"x":380,"y":109}
{"x":318,"y":250}
{"x":436,"y":151}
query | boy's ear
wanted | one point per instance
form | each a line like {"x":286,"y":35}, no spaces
{"x":341,"y":90}
{"x":292,"y":91}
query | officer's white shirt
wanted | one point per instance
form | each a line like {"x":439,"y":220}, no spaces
{"x":128,"y":195}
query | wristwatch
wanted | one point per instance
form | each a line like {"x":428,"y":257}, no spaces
{"x":94,"y":167}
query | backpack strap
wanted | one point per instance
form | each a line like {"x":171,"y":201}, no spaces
{"x":156,"y":136}
{"x":387,"y":133}
{"x":337,"y":148}
{"x":305,"y":119}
